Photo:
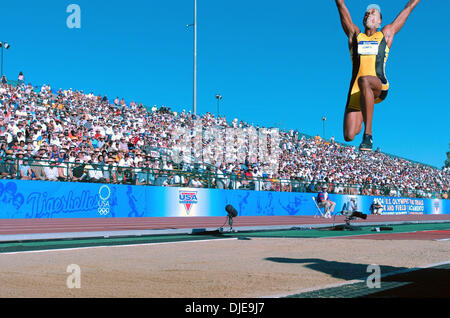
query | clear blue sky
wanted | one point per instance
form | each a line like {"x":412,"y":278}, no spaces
{"x":275,"y":63}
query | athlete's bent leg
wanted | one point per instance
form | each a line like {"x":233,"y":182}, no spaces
{"x":370,"y":87}
{"x":353,"y":120}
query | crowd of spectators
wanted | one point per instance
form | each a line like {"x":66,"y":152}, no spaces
{"x":61,"y":135}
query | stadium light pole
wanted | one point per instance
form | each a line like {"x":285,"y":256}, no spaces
{"x":218,"y":97}
{"x":6,"y":46}
{"x":195,"y":58}
{"x":323,"y":122}
{"x":194,"y":106}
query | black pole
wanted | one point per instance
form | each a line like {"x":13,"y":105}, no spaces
{"x":323,"y":123}
{"x":218,"y":97}
{"x":2,"y":60}
{"x":323,"y":130}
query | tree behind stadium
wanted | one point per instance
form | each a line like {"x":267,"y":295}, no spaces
{"x":447,"y":162}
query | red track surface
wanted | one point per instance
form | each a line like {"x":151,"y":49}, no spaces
{"x":29,"y":226}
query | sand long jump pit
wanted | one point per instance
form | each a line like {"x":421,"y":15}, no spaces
{"x":224,"y":267}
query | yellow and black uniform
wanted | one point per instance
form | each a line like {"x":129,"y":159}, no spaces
{"x":369,"y":55}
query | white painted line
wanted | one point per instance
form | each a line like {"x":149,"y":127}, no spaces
{"x":119,"y":245}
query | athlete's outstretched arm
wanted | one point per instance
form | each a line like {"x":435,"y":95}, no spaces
{"x":346,"y":20}
{"x":392,"y":29}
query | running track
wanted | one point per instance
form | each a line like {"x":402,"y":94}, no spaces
{"x":35,"y":226}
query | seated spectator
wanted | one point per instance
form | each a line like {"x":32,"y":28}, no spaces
{"x":7,"y":169}
{"x":141,"y":174}
{"x":376,"y":208}
{"x":195,"y":183}
{"x":323,"y":201}
{"x":37,"y":168}
{"x":119,"y":175}
{"x":94,"y":172}
{"x":350,"y":206}
{"x":109,"y":170}
{"x":220,"y":183}
{"x":51,"y":170}
{"x":123,"y":145}
{"x":64,"y":172}
{"x":235,"y":182}
{"x":25,"y":170}
{"x":78,"y":171}
{"x":176,"y":180}
{"x":129,"y":175}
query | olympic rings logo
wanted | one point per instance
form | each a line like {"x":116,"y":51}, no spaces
{"x":103,"y":205}
{"x":100,"y":192}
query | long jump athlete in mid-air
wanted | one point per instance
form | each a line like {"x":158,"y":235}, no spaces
{"x":369,"y":52}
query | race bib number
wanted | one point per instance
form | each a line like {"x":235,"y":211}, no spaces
{"x":368,"y":48}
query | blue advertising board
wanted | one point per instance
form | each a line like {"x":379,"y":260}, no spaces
{"x":43,"y":199}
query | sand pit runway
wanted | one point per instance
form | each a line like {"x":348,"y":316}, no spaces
{"x":256,"y":267}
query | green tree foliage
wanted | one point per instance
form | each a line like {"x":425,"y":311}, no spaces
{"x":447,"y":162}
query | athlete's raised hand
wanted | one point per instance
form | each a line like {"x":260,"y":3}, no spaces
{"x":349,"y":27}
{"x":392,"y":29}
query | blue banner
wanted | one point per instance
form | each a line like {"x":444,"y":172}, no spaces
{"x":44,"y":199}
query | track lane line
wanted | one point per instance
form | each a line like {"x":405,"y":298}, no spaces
{"x":119,"y":245}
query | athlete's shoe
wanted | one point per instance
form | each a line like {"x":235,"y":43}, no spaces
{"x":367,"y":143}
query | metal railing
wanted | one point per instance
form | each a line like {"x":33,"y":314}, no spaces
{"x":49,"y":170}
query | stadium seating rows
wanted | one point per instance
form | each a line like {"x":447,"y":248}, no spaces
{"x":71,"y":128}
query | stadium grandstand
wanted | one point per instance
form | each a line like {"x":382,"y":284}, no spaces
{"x":70,"y":135}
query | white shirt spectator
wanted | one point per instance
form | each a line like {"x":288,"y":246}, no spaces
{"x":196,"y":183}
{"x":51,"y":172}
